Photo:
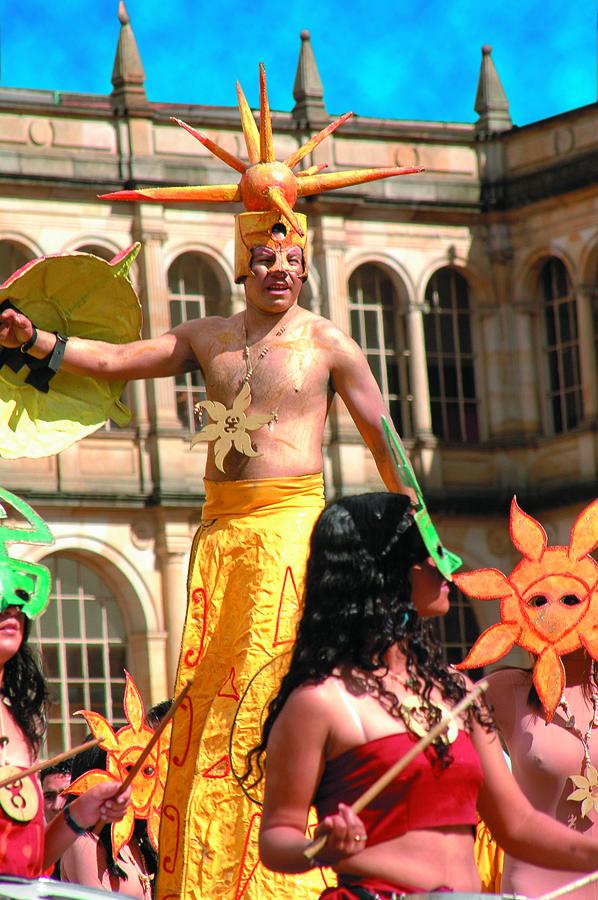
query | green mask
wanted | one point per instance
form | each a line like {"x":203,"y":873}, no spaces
{"x":446,"y":561}
{"x":23,"y":584}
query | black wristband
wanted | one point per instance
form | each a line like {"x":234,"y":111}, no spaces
{"x":29,"y":344}
{"x":74,"y":826}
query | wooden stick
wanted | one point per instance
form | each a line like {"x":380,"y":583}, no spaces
{"x":378,"y":786}
{"x":46,"y":763}
{"x":149,"y":747}
{"x":572,"y":886}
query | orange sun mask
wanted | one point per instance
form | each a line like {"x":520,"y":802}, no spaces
{"x":268,"y":189}
{"x":123,"y":749}
{"x":548,"y":604}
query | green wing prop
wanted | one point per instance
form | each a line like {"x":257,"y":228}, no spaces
{"x":446,"y":561}
{"x":16,"y":575}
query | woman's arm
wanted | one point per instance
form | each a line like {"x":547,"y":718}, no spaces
{"x":518,"y":828}
{"x":294,"y":766}
{"x":99,"y":803}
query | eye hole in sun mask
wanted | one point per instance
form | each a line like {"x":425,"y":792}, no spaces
{"x":540,"y":600}
{"x":571,"y":600}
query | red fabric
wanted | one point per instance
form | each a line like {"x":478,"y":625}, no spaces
{"x":22,"y":843}
{"x":424,"y":795}
{"x":373,"y":885}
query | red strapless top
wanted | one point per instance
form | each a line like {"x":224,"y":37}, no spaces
{"x":22,"y":843}
{"x":424,"y":795}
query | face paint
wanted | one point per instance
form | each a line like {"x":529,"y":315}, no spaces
{"x":23,"y":584}
{"x":548,"y":604}
{"x":257,"y":230}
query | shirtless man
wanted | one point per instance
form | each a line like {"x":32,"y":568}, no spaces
{"x":247,"y":561}
{"x":306,"y":364}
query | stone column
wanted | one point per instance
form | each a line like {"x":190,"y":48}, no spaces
{"x":585,"y":296}
{"x":173,"y":543}
{"x":418,"y":374}
{"x":528,"y":384}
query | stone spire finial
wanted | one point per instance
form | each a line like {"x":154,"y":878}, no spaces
{"x":491,"y":102}
{"x":307,"y":90}
{"x":128,"y":76}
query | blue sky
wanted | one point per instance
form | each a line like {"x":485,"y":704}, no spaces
{"x":395,"y":59}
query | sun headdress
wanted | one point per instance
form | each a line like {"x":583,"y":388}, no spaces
{"x":267,"y":188}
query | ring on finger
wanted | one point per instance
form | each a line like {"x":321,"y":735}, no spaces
{"x":360,"y":837}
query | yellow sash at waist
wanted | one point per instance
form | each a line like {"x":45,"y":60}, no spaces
{"x":264,"y":495}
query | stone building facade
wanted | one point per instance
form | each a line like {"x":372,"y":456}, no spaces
{"x":471,"y":287}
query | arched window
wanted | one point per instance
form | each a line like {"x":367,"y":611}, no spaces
{"x":82,"y":640}
{"x":97,"y":250}
{"x":378,"y":328}
{"x":12,"y":257}
{"x":565,"y":403}
{"x":450,"y":357}
{"x":195,"y":292}
{"x":458,"y":630}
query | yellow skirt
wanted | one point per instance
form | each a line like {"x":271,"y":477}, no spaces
{"x":244,"y":596}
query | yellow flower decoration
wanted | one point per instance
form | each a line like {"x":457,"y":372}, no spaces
{"x":587,"y":790}
{"x":230,"y":427}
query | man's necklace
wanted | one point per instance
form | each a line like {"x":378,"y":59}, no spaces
{"x":586,"y":784}
{"x":230,"y":427}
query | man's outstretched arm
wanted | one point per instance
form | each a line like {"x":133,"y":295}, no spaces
{"x":354,"y":382}
{"x":169,"y":354}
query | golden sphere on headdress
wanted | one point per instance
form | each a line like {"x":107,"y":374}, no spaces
{"x":259,"y":178}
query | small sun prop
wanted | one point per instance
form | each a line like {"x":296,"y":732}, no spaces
{"x":265,"y":185}
{"x":123,"y":749}
{"x":548,"y":604}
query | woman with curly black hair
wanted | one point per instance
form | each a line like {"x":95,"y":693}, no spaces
{"x":27,"y":847}
{"x":366,"y":679}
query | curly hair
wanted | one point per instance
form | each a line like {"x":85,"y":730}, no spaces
{"x":357,"y":604}
{"x":24,"y":687}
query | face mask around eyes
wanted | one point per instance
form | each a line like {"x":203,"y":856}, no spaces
{"x":23,"y":584}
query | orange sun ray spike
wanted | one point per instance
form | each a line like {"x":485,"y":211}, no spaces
{"x":209,"y":193}
{"x":233,"y":161}
{"x":298,"y":155}
{"x":313,"y":170}
{"x":316,"y":184}
{"x":250,"y":132}
{"x":281,"y":203}
{"x":266,"y":142}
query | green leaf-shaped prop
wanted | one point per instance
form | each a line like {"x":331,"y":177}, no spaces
{"x":446,"y":561}
{"x":23,"y":584}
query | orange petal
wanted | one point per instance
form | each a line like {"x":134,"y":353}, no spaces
{"x":527,"y":534}
{"x":276,"y":196}
{"x":549,"y":680}
{"x":491,"y":645}
{"x":250,"y":132}
{"x":87,"y":780}
{"x":122,"y":831}
{"x":100,"y":728}
{"x":330,"y":181}
{"x":298,"y":155}
{"x":584,"y":534}
{"x":233,"y":161}
{"x":266,"y":144}
{"x":133,"y":704}
{"x":206,"y":193}
{"x":484,"y":584}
